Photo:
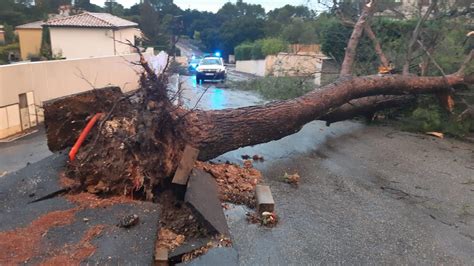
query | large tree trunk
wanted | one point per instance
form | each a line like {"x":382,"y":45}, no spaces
{"x":216,"y":132}
{"x":139,"y":143}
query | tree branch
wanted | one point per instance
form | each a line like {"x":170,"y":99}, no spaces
{"x":414,"y":37}
{"x":346,"y":68}
{"x":377,"y":46}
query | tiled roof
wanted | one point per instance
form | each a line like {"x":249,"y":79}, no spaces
{"x":31,"y":25}
{"x":91,"y":20}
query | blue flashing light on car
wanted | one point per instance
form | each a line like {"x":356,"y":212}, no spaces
{"x":218,"y":54}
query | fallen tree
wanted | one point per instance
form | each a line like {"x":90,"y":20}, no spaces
{"x":138,"y":143}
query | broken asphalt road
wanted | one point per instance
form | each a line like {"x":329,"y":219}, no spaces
{"x":60,"y":230}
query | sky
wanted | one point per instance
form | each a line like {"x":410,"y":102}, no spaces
{"x":214,"y":5}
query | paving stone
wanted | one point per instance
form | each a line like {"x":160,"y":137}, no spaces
{"x":161,"y":257}
{"x":202,"y":196}
{"x":185,"y":166}
{"x":265,"y":202}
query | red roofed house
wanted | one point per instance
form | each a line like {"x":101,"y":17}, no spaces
{"x":91,"y":35}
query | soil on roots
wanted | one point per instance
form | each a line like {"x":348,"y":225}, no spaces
{"x":132,"y":149}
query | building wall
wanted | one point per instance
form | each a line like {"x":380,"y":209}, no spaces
{"x":288,"y":64}
{"x":10,"y":122}
{"x":73,"y":43}
{"x":30,"y":42}
{"x":285,"y":64}
{"x":52,"y":79}
{"x":254,"y":67}
{"x":122,"y":36}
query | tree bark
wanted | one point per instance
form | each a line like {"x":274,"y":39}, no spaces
{"x":377,"y":47}
{"x":349,"y":57}
{"x":216,"y":132}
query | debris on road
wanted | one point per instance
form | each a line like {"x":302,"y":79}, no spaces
{"x":268,"y":219}
{"x":255,"y":157}
{"x":169,"y":240}
{"x":235,"y":184}
{"x":25,"y":242}
{"x":248,"y":164}
{"x":293,"y":179}
{"x":435,"y":134}
{"x":129,"y":221}
{"x":265,"y":202}
{"x":76,"y":253}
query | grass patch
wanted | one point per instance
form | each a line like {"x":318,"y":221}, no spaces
{"x":277,"y":88}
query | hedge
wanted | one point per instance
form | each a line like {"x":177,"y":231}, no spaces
{"x":260,"y":49}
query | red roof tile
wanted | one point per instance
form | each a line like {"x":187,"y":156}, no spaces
{"x":91,"y":20}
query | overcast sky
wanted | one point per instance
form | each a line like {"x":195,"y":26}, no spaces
{"x":214,"y":5}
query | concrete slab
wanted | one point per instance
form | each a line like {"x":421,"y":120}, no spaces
{"x":185,"y":166}
{"x":216,"y":256}
{"x":178,"y":252}
{"x":202,"y":197}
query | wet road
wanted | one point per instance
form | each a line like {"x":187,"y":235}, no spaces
{"x":18,"y":153}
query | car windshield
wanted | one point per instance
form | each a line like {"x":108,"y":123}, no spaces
{"x":210,"y":61}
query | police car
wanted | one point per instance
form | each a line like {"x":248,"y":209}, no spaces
{"x":211,"y":68}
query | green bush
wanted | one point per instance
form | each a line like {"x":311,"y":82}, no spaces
{"x":243,"y":51}
{"x":260,"y":49}
{"x":257,"y":53}
{"x":6,"y":49}
{"x":428,"y":115}
{"x":272,"y":46}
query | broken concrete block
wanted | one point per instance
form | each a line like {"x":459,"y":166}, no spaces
{"x":185,"y":166}
{"x":265,"y":202}
{"x":176,"y":255}
{"x":161,"y":257}
{"x":202,"y":196}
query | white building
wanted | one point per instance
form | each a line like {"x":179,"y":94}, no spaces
{"x":91,"y":35}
